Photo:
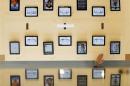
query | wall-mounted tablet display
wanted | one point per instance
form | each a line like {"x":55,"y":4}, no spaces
{"x":81,"y":4}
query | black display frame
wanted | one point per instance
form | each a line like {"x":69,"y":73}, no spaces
{"x":65,"y":7}
{"x":44,"y":48}
{"x":11,"y":49}
{"x":50,"y":3}
{"x":16,"y":78}
{"x":31,"y":15}
{"x":83,"y":48}
{"x":115,"y":78}
{"x":85,"y":81}
{"x":51,"y":77}
{"x":62,"y":44}
{"x":98,"y":15}
{"x":30,"y":36}
{"x":97,"y":44}
{"x":29,"y":77}
{"x":113,"y":8}
{"x":117,"y":48}
{"x":81,"y":9}
{"x":65,"y":71}
{"x":98,"y":69}
{"x":17,"y":4}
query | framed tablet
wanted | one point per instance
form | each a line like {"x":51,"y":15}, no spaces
{"x":14,"y":47}
{"x":98,"y":11}
{"x":115,"y":47}
{"x":31,"y":11}
{"x":81,"y":47}
{"x":64,"y":40}
{"x":14,"y":5}
{"x":65,"y":74}
{"x":81,"y":80}
{"x":48,"y":48}
{"x":48,"y":80}
{"x":115,"y":80}
{"x":15,"y":80}
{"x":115,"y":5}
{"x":48,"y":5}
{"x":31,"y":40}
{"x":31,"y":73}
{"x":98,"y":73}
{"x":98,"y":40}
{"x":64,"y":11}
{"x":81,"y":4}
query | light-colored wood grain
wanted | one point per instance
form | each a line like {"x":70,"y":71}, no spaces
{"x":127,"y":57}
{"x":2,"y":57}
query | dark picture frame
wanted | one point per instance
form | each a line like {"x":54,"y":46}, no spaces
{"x":14,"y":5}
{"x":65,"y":73}
{"x":64,"y":40}
{"x":115,"y":47}
{"x":82,"y":80}
{"x":14,"y":47}
{"x":48,"y":48}
{"x":81,"y":47}
{"x":98,"y":73}
{"x":48,"y":5}
{"x":31,"y":40}
{"x":115,"y":80}
{"x":15,"y":80}
{"x":98,"y":11}
{"x":31,"y":74}
{"x":31,"y":11}
{"x":115,"y":5}
{"x":81,"y":5}
{"x":48,"y":80}
{"x":64,"y":11}
{"x":98,"y":40}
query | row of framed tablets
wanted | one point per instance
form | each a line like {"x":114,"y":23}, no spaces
{"x":82,"y":80}
{"x":64,"y":11}
{"x":48,"y":46}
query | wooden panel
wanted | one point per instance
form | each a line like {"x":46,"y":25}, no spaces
{"x":2,"y":57}
{"x":127,"y":57}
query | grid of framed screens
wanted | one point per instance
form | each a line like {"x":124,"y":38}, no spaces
{"x":98,"y":40}
{"x":81,"y":4}
{"x":65,"y":74}
{"x":14,"y":47}
{"x":31,"y":73}
{"x":115,"y":5}
{"x":115,"y":80}
{"x":48,"y":80}
{"x":64,"y":11}
{"x":15,"y":80}
{"x":115,"y":47}
{"x":98,"y":11}
{"x":48,"y":48}
{"x":48,"y":5}
{"x":14,"y":5}
{"x":81,"y":80}
{"x":81,"y":47}
{"x":31,"y":11}
{"x":98,"y":73}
